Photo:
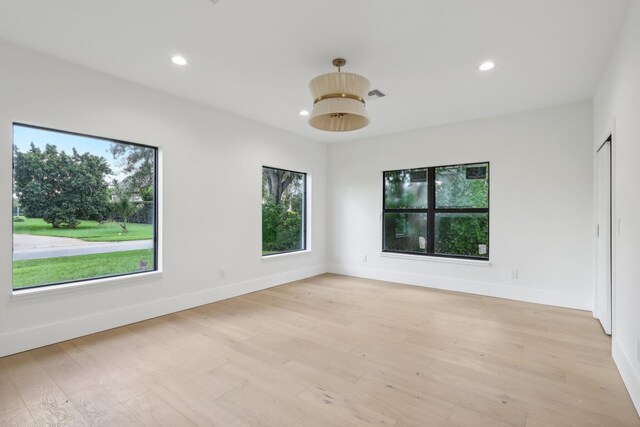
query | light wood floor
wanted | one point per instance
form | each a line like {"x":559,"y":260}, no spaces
{"x":329,"y":351}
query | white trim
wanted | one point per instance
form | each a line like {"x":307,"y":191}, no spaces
{"x":518,"y":293}
{"x":630,"y":377}
{"x":308,"y":211}
{"x":615,"y":229}
{"x":428,"y":258}
{"x":285,"y":255}
{"x":159,"y":209}
{"x":38,"y":336}
{"x":20,"y":294}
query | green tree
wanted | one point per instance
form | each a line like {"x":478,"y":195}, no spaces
{"x":459,"y":233}
{"x":137,"y":162}
{"x":123,"y":207}
{"x":281,"y":228}
{"x":275,"y":183}
{"x":406,"y":189}
{"x":282,"y":210}
{"x":455,"y":190}
{"x":61,"y":189}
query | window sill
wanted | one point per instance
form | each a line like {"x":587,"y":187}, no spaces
{"x":477,"y":263}
{"x":285,"y":255}
{"x":20,"y":294}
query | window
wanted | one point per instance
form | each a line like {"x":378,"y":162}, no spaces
{"x":83,"y":207}
{"x":438,"y":211}
{"x":283,"y":211}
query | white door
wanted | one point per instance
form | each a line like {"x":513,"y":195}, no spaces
{"x":603,"y":240}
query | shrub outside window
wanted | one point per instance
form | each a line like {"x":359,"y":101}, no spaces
{"x":437,"y":211}
{"x":84,"y":207}
{"x":283,"y":211}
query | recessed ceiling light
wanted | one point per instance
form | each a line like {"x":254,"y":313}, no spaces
{"x":486,"y":66}
{"x":304,"y":113}
{"x":179,"y":60}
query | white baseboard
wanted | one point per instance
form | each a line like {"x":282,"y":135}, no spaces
{"x":629,"y":375}
{"x":518,"y":293}
{"x":27,"y":339}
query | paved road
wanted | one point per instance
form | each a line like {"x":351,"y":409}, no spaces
{"x":37,"y":247}
{"x":27,"y":241}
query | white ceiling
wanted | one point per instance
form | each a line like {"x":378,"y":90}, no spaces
{"x":254,"y":58}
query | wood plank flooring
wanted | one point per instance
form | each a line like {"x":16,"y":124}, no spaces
{"x":329,"y":351}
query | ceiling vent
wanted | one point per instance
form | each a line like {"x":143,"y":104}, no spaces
{"x":375,"y":94}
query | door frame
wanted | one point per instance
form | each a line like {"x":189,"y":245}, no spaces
{"x":603,"y":304}
{"x":609,"y":134}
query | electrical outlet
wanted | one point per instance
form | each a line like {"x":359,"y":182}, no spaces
{"x":364,"y":258}
{"x":221,"y":273}
{"x":514,"y":273}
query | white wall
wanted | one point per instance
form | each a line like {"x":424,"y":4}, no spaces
{"x":617,"y":109}
{"x":541,"y":206}
{"x":211,"y":197}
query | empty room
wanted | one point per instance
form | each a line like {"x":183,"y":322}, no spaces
{"x":340,"y":213}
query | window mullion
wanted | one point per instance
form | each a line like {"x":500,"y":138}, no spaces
{"x":431,"y":194}
{"x":461,"y":210}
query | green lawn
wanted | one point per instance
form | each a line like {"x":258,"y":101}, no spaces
{"x":90,"y":231}
{"x":36,"y":272}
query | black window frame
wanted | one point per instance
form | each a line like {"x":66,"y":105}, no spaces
{"x":155,"y":239}
{"x":431,"y":210}
{"x":304,"y":214}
